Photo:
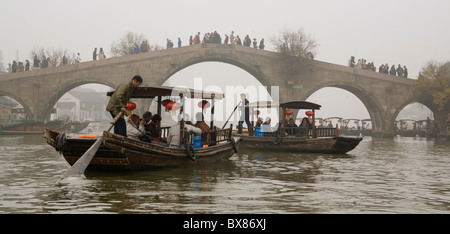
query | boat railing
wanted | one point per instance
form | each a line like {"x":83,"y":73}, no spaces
{"x":165,"y":132}
{"x":212,"y":137}
{"x":299,"y":132}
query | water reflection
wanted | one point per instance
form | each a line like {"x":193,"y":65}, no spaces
{"x":400,"y":175}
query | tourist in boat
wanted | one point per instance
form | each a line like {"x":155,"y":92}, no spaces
{"x":206,"y":137}
{"x":292,"y":127}
{"x":135,"y":127}
{"x":259,"y":122}
{"x":118,"y":102}
{"x":173,"y":139}
{"x":266,"y":125}
{"x":305,"y":125}
{"x":147,"y":117}
{"x":155,"y":130}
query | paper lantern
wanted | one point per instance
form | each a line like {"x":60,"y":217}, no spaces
{"x":204,"y":104}
{"x":288,"y":113}
{"x":165,"y":102}
{"x":131,"y":106}
{"x":175,"y":106}
{"x":309,"y":113}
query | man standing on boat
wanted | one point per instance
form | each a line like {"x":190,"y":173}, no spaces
{"x":118,"y":102}
{"x":245,"y":114}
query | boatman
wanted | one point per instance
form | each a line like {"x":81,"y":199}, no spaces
{"x":245,"y":114}
{"x":118,"y":102}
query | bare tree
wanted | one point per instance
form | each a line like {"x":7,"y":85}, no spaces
{"x":54,"y":56}
{"x":295,"y":43}
{"x":128,"y":42}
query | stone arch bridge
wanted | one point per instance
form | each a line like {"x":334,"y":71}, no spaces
{"x":383,"y":95}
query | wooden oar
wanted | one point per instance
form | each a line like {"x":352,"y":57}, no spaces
{"x":80,"y":165}
{"x":232,"y":114}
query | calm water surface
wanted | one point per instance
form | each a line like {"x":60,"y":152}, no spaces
{"x":399,"y":175}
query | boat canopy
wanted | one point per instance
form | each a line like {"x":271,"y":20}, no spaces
{"x":152,"y":92}
{"x":290,"y":105}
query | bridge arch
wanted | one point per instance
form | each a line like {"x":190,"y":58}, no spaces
{"x":373,"y":107}
{"x":59,"y":92}
{"x":229,"y":58}
{"x":27,"y":108}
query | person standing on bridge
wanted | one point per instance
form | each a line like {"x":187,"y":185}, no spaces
{"x":118,"y":102}
{"x":94,"y":54}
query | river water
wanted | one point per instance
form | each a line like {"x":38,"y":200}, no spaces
{"x":395,"y":175}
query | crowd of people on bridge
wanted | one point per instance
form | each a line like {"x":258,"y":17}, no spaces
{"x":383,"y":68}
{"x":215,"y":38}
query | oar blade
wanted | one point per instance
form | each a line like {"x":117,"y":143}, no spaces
{"x":81,"y":164}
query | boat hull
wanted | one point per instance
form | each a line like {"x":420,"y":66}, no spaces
{"x":118,"y":153}
{"x":332,"y":145}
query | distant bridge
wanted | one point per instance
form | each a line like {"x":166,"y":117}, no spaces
{"x":384,"y":96}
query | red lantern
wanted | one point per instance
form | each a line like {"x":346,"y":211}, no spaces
{"x":165,"y":102}
{"x":131,"y":106}
{"x":175,"y":106}
{"x":203,"y":104}
{"x":289,"y":112}
{"x":170,"y":105}
{"x":309,"y":113}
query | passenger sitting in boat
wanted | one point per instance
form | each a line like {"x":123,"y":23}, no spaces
{"x":292,"y":127}
{"x":265,"y":127}
{"x":304,"y":126}
{"x":135,"y":127}
{"x":147,"y":116}
{"x":173,"y":139}
{"x":268,"y":120}
{"x":206,"y":137}
{"x":259,"y":122}
{"x":155,"y":130}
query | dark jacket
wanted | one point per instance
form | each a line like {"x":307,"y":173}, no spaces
{"x":120,"y":98}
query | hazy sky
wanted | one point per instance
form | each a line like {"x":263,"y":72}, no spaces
{"x":407,"y":32}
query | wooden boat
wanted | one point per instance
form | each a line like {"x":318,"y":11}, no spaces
{"x":350,"y":131}
{"x":36,"y":127}
{"x":365,"y":129}
{"x":299,"y":139}
{"x":406,"y":127}
{"x":122,"y":153}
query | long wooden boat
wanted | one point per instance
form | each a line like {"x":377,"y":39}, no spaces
{"x":121,"y":153}
{"x":118,"y":153}
{"x":299,"y":139}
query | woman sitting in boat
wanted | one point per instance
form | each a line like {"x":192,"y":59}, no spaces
{"x":206,"y":137}
{"x":155,"y":130}
{"x":304,"y":127}
{"x":259,"y":122}
{"x":135,"y":127}
{"x":173,"y":139}
{"x":292,"y":127}
{"x":266,"y":128}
